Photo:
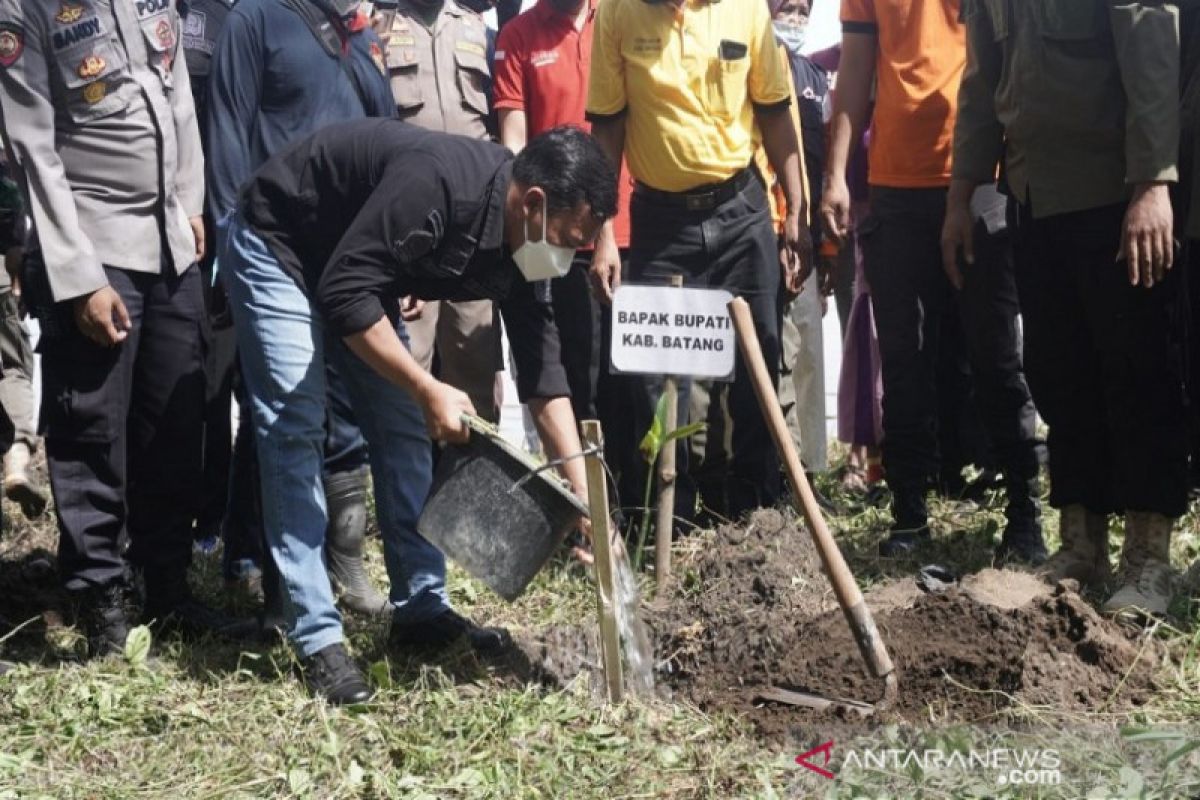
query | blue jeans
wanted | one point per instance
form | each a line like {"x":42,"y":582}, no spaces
{"x":284,"y":348}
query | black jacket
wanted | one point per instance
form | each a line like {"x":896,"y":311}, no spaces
{"x":366,"y":212}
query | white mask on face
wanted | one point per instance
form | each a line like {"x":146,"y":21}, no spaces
{"x":540,"y":261}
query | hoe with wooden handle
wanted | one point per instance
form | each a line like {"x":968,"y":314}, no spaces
{"x":862,"y":625}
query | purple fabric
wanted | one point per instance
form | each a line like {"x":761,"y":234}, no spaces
{"x":860,"y":386}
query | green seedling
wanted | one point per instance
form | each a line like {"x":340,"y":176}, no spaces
{"x":651,"y":448}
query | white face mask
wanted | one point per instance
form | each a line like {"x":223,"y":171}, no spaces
{"x":540,"y":261}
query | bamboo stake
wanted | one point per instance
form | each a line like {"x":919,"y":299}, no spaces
{"x":664,"y":531}
{"x":606,"y":593}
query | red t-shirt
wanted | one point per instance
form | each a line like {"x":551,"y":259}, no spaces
{"x":541,"y":68}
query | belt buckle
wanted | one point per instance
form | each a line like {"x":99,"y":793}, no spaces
{"x":701,"y":202}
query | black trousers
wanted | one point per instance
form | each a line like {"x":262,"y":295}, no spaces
{"x":123,"y":428}
{"x":939,"y":347}
{"x":1105,"y":361}
{"x":733,"y":247}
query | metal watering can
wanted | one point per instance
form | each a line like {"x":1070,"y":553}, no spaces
{"x":496,"y":512}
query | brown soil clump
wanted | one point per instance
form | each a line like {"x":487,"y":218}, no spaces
{"x":752,"y":609}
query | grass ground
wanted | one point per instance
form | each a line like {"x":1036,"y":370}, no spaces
{"x":208,"y":720}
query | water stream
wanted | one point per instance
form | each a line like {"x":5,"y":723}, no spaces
{"x":635,"y":637}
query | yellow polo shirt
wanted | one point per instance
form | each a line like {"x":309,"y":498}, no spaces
{"x":688,"y":79}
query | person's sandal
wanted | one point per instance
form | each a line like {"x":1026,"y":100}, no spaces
{"x":854,"y":479}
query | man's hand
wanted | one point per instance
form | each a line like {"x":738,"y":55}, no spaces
{"x":1147,"y":236}
{"x":102,"y":317}
{"x":606,"y":266}
{"x":835,"y":208}
{"x":12,"y":264}
{"x":798,"y":240}
{"x":958,"y":234}
{"x":411,"y":308}
{"x":444,"y":407}
{"x":197,"y":224}
{"x":827,"y":271}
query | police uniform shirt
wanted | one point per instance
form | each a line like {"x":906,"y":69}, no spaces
{"x":97,"y":111}
{"x":365,"y":212}
{"x":440,"y":76}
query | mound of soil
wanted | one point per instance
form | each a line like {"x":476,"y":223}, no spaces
{"x":759,"y":613}
{"x":752,"y":609}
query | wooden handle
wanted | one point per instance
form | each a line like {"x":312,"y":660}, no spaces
{"x":848,"y":595}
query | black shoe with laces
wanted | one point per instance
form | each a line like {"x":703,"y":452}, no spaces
{"x":332,"y":674}
{"x":103,"y":612}
{"x":445,"y":629}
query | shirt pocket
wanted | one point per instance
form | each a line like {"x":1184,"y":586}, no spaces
{"x":730,"y":72}
{"x":161,"y":33}
{"x":471,"y":70}
{"x":1074,"y":28}
{"x":405,"y":77}
{"x":96,"y":81}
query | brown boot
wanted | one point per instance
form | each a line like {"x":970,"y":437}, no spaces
{"x":1145,"y":578}
{"x":1083,"y":555}
{"x":19,"y":486}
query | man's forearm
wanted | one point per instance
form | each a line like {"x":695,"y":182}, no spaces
{"x":783,"y":153}
{"x":514,"y":130}
{"x":558,"y":428}
{"x":851,"y":100}
{"x":609,"y":133}
{"x":380,"y":347}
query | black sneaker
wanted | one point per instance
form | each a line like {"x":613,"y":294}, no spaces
{"x":188,"y":618}
{"x":904,"y":541}
{"x":332,"y":674}
{"x":103,"y":612}
{"x":445,"y":629}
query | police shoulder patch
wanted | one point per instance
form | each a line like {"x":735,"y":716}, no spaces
{"x":12,"y":43}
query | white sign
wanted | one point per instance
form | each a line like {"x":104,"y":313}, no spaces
{"x":664,"y":330}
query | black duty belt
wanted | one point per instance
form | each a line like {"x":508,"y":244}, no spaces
{"x":702,"y":198}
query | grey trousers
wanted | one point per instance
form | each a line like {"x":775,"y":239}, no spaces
{"x":16,"y":377}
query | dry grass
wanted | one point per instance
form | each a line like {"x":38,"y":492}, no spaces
{"x":210,"y":720}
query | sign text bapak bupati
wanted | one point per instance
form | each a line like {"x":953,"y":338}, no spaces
{"x":664,"y":330}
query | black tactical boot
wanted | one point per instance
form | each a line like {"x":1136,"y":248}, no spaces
{"x":346,"y":498}
{"x":103,"y":612}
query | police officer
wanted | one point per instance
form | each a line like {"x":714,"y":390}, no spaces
{"x":1081,"y":102}
{"x":438,"y":63}
{"x":330,"y":234}
{"x":281,"y":70}
{"x":99,"y":118}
